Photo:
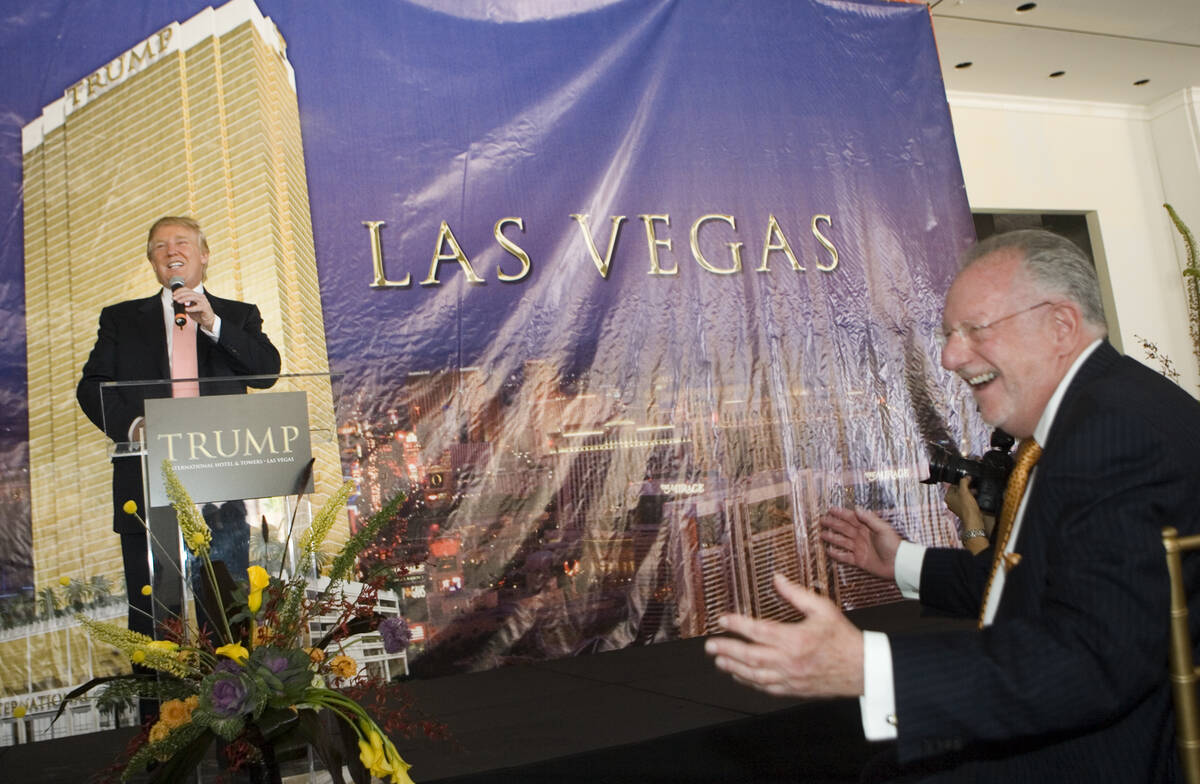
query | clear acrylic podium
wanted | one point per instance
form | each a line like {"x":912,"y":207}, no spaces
{"x":239,"y":471}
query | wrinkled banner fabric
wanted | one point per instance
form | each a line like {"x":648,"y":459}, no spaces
{"x":626,"y":295}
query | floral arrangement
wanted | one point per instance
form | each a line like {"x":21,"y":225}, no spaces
{"x":265,"y":683}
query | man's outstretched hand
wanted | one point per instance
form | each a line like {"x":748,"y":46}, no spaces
{"x":861,"y":538}
{"x":819,"y":656}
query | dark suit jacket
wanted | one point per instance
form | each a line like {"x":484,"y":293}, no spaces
{"x":1070,"y":681}
{"x":132,"y":346}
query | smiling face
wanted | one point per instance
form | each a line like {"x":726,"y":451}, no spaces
{"x":1014,"y":366}
{"x":177,"y":250}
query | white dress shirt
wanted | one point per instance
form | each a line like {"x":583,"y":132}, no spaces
{"x":168,"y":308}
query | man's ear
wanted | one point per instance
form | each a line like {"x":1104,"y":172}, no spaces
{"x":1067,"y":322}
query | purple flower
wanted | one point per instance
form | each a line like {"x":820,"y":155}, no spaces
{"x":395,"y":633}
{"x":229,"y":694}
{"x":276,"y":663}
{"x":227,"y":665}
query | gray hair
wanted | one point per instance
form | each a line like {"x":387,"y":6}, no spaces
{"x":1055,"y":264}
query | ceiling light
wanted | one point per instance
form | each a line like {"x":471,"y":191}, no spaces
{"x":1140,"y":82}
{"x":1057,"y":74}
{"x":1023,"y":7}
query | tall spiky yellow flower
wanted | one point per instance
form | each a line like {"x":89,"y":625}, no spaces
{"x":156,"y":654}
{"x":196,"y":533}
{"x":314,"y":537}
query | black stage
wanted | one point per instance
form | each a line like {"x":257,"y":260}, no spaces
{"x":659,"y":713}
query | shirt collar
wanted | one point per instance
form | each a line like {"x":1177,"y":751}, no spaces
{"x":1042,"y":430}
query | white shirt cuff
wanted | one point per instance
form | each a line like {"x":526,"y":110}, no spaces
{"x":215,"y":332}
{"x":909,"y":557}
{"x":878,"y":701}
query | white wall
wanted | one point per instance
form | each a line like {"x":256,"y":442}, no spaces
{"x":1022,"y":154}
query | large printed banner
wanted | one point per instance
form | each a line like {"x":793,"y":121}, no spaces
{"x":625,"y":293}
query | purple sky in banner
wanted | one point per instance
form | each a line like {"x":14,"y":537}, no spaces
{"x":536,"y":116}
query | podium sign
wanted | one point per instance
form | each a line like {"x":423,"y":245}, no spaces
{"x":228,"y":447}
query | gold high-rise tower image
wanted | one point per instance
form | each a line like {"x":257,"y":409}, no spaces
{"x":199,"y":119}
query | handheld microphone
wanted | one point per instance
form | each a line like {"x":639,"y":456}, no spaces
{"x":180,"y":314}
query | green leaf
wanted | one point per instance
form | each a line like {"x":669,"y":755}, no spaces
{"x":277,"y":722}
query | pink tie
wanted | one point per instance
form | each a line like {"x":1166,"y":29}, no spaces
{"x":183,"y":360}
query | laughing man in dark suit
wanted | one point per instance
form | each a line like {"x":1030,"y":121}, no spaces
{"x":1066,"y":678}
{"x":136,"y":342}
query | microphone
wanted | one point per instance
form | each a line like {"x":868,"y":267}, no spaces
{"x":180,"y":314}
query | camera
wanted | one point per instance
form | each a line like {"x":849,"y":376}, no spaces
{"x":989,"y":474}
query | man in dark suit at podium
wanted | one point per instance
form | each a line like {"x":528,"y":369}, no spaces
{"x":1065,"y":678}
{"x":180,"y":332}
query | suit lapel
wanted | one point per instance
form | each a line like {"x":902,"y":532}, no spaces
{"x":1029,"y":540}
{"x":152,"y":333}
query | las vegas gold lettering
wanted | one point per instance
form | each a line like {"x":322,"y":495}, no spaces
{"x":602,"y":265}
{"x":235,"y":442}
{"x":770,"y":244}
{"x":654,"y":243}
{"x":735,"y":248}
{"x":381,"y":281}
{"x":513,"y":248}
{"x":446,"y":237}
{"x":447,"y":248}
{"x":825,"y":243}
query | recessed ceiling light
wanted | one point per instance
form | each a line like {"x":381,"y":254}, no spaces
{"x":1140,"y":82}
{"x":1057,"y":74}
{"x":964,"y":64}
{"x":1023,"y":7}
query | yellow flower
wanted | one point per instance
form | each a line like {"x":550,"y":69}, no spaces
{"x":19,"y":712}
{"x":259,"y":579}
{"x":198,"y":542}
{"x":316,"y":655}
{"x":373,"y":756}
{"x":137,"y":657}
{"x":235,"y":651}
{"x":343,"y":666}
{"x":174,"y":713}
{"x":196,"y":533}
{"x":192,"y":702}
{"x":64,"y":581}
{"x":163,"y":646}
{"x":159,"y":732}
{"x":311,"y":542}
{"x":130,"y":507}
{"x":378,"y":754}
{"x":147,"y":590}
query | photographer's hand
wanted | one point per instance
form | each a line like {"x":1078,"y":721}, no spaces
{"x":861,"y":538}
{"x":962,"y":502}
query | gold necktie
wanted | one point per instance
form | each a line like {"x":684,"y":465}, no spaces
{"x":1027,"y":454}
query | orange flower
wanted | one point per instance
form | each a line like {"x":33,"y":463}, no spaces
{"x":174,"y":713}
{"x":316,"y":655}
{"x":343,"y":666}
